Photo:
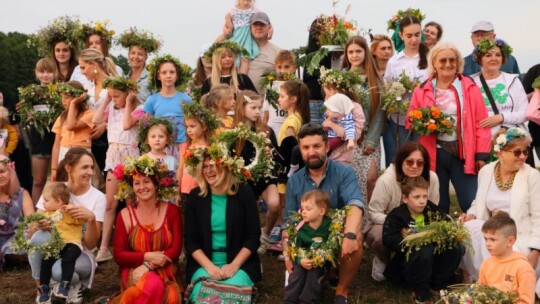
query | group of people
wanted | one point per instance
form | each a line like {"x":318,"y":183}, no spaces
{"x":184,"y":171}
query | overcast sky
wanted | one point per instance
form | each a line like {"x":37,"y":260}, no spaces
{"x":184,"y":26}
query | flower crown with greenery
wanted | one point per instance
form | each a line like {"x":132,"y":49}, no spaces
{"x":67,"y":89}
{"x":8,"y":163}
{"x":156,"y":169}
{"x":394,"y":21}
{"x":62,"y":29}
{"x":507,"y":137}
{"x":144,"y":126}
{"x":183,"y":76}
{"x":96,"y":28}
{"x":484,"y":45}
{"x":228,"y":44}
{"x":202,"y":114}
{"x":221,"y":154}
{"x":139,"y":38}
{"x":343,"y":80}
{"x":120,"y":83}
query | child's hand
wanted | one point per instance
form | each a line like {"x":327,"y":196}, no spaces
{"x":131,"y":96}
{"x":79,"y":99}
{"x":306,"y":263}
{"x":404,"y":232}
{"x":108,"y":99}
{"x":350,"y":144}
{"x":327,"y":123}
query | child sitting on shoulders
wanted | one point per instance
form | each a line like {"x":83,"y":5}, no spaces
{"x":506,"y":269}
{"x":56,"y":197}
{"x":339,"y":109}
{"x":304,"y":282}
{"x":423,"y":269}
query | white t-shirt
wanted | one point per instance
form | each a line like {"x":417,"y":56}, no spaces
{"x":276,"y":117}
{"x":93,"y":200}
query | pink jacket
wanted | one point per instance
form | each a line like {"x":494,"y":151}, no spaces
{"x":476,"y":141}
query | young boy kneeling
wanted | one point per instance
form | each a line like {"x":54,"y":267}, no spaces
{"x":506,"y":269}
{"x":423,"y":269}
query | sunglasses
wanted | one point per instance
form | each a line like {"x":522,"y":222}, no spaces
{"x":410,"y":162}
{"x":451,"y":60}
{"x":518,"y":152}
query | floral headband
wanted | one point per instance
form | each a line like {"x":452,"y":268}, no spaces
{"x":199,"y":112}
{"x":228,"y":44}
{"x":120,"y":83}
{"x":98,"y":28}
{"x":8,"y":163}
{"x":146,"y":124}
{"x":62,"y":29}
{"x":139,"y":38}
{"x":67,"y":89}
{"x":184,"y":71}
{"x":220,"y":154}
{"x":507,"y":137}
{"x":145,"y":165}
{"x":484,"y":45}
{"x":393,"y":23}
{"x":343,"y":80}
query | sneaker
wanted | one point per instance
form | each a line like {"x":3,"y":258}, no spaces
{"x":44,"y":294}
{"x":103,"y":255}
{"x":275,"y":235}
{"x":265,"y":244}
{"x":75,"y":294}
{"x":62,"y":290}
{"x":264,"y":207}
{"x":377,"y":269}
{"x":340,"y":299}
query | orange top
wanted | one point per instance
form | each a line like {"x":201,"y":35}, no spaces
{"x":79,"y":138}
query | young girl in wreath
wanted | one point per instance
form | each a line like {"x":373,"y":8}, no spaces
{"x":220,"y":100}
{"x":117,"y":111}
{"x":154,"y":137}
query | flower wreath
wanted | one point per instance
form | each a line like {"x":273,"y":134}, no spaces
{"x":199,"y":112}
{"x":228,"y":44}
{"x":393,"y":23}
{"x":139,"y":38}
{"x":156,"y":169}
{"x":98,"y":28}
{"x":184,"y":71}
{"x":220,"y":153}
{"x":329,"y":250}
{"x":120,"y":83}
{"x":267,"y":82}
{"x":507,"y":137}
{"x":65,"y":88}
{"x":62,"y":29}
{"x":40,"y":106}
{"x":50,"y":249}
{"x":343,"y":80}
{"x":484,"y":45}
{"x":477,"y":294}
{"x":145,"y":125}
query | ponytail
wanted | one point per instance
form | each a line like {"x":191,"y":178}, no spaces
{"x":301,"y":92}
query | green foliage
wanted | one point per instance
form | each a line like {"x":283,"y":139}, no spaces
{"x":39,"y":106}
{"x":312,"y":61}
{"x":122,"y":62}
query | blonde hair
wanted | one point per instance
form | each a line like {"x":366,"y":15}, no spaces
{"x":434,"y":52}
{"x":217,"y":94}
{"x":163,"y":129}
{"x":4,"y":116}
{"x":215,"y":78}
{"x":105,"y":63}
{"x":225,"y":183}
{"x":47,"y":65}
{"x":59,"y":191}
{"x":13,"y":186}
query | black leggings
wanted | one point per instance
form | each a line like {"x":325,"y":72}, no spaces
{"x":69,"y":255}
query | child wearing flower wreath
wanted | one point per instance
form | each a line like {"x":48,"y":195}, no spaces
{"x":304,"y":283}
{"x":117,"y":111}
{"x":73,"y":128}
{"x":200,"y":126}
{"x":424,"y":268}
{"x":220,"y":100}
{"x":55,"y":199}
{"x":506,"y":269}
{"x":154,"y":137}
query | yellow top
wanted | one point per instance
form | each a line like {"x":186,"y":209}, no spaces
{"x":70,"y":229}
{"x":292,"y":121}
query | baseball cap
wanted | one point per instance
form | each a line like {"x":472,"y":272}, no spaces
{"x":483,"y":26}
{"x":260,"y":17}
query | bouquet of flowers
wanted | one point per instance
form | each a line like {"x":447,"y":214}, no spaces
{"x":397,"y":92}
{"x":329,"y":250}
{"x":39,"y":106}
{"x":267,"y":82}
{"x":392,"y":23}
{"x":50,"y":249}
{"x":441,"y":233}
{"x":430,"y":120}
{"x":477,"y":294}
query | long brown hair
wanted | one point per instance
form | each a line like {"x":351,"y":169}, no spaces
{"x":301,"y":92}
{"x":422,"y":48}
{"x":72,"y":64}
{"x":240,"y":117}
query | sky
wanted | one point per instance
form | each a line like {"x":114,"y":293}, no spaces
{"x":185,"y":26}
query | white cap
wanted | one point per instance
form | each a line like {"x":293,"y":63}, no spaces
{"x":339,"y":103}
{"x":482,"y":26}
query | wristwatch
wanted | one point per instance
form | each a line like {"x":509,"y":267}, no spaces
{"x":350,"y":235}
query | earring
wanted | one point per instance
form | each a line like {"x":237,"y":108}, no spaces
{"x":95,"y":71}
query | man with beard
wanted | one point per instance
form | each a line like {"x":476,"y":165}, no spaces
{"x":341,"y":185}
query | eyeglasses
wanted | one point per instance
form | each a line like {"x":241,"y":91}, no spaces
{"x":517,"y":153}
{"x":451,"y":60}
{"x":410,"y":162}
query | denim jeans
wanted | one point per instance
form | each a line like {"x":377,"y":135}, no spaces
{"x":450,"y":168}
{"x":315,"y":111}
{"x":389,"y":140}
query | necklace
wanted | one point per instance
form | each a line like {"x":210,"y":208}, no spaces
{"x":499,"y":180}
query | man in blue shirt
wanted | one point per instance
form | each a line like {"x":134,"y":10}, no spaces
{"x":341,"y":185}
{"x":485,"y":30}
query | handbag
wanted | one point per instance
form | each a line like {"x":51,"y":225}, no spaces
{"x":217,"y":292}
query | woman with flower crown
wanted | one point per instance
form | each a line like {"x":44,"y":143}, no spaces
{"x":457,"y":157}
{"x":512,"y":186}
{"x":148,"y":234}
{"x":504,"y":96}
{"x":222,"y":227}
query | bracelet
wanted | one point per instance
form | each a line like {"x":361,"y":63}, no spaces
{"x":147,"y":265}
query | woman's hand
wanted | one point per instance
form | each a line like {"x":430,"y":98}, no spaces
{"x":44,"y":225}
{"x":215,"y":272}
{"x":464,"y":217}
{"x":139,"y":272}
{"x":479,"y":164}
{"x":157,"y":258}
{"x":98,"y":130}
{"x":492,"y":121}
{"x":306,"y":263}
{"x":228,"y":271}
{"x":79,"y":212}
{"x":368,"y":150}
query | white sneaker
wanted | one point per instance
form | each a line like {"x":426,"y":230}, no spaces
{"x":75,"y":294}
{"x":275,"y":235}
{"x":265,"y":244}
{"x":377,"y":269}
{"x":103,"y":256}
